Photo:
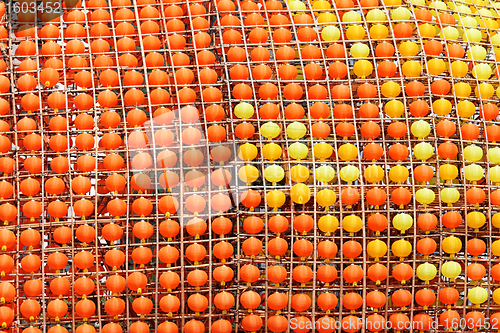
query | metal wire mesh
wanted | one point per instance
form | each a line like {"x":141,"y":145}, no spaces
{"x":163,"y":158}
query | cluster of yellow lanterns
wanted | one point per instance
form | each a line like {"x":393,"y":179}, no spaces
{"x":274,"y":173}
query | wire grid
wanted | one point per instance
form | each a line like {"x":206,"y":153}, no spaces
{"x":238,"y":213}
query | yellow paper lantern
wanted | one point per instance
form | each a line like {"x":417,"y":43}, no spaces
{"x":496,"y":296}
{"x":296,"y":5}
{"x":477,"y":52}
{"x":420,"y":129}
{"x":451,"y":269}
{"x":248,"y":174}
{"x":326,"y":198}
{"x":394,"y":108}
{"x":390,"y":89}
{"x":270,"y":130}
{"x":408,"y":49}
{"x":351,"y":16}
{"x":324,"y":173}
{"x":436,"y":66}
{"x":425,"y":196}
{"x":466,"y":109}
{"x":427,"y":30}
{"x":494,"y":155}
{"x":321,"y":5}
{"x":401,"y":14}
{"x":438,"y":5}
{"x":441,"y":107}
{"x":448,"y":171}
{"x":402,"y":222}
{"x":348,"y":152}
{"x":322,"y":151}
{"x":360,"y":50}
{"x":482,"y":71}
{"x":483,"y":11}
{"x":449,"y":33}
{"x":349,"y":173}
{"x":300,"y":193}
{"x":376,"y":249}
{"x":498,"y":89}
{"x":298,"y":151}
{"x":328,"y":224}
{"x":462,"y":89}
{"x":473,"y":153}
{"x":355,"y":32}
{"x":423,"y":151}
{"x":296,"y":130}
{"x":474,"y":172}
{"x":399,"y":174}
{"x":495,"y":248}
{"x":449,"y":195}
{"x":452,"y":245}
{"x":426,"y":272}
{"x":376,"y":15}
{"x":275,"y":199}
{"x":379,"y":31}
{"x":272,"y":151}
{"x":461,"y":9}
{"x":274,"y":173}
{"x":484,"y":90}
{"x":363,"y":68}
{"x":352,"y":224}
{"x":468,"y":21}
{"x":327,"y":18}
{"x":244,"y":110}
{"x":473,"y":35}
{"x":401,"y":248}
{"x":475,"y":220}
{"x":495,"y":40}
{"x":477,"y":296}
{"x":494,"y":174}
{"x":247,"y":152}
{"x":299,"y":173}
{"x":374,"y":174}
{"x":490,"y":24}
{"x":412,"y":68}
{"x":495,"y":220}
{"x":459,"y":69}
{"x":330,"y":33}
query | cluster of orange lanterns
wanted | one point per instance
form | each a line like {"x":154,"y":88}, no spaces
{"x":266,"y":165}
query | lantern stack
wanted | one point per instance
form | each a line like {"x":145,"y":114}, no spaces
{"x":249,"y":166}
